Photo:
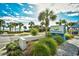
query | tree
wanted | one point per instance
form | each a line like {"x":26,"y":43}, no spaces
{"x":15,"y":24}
{"x":31,"y":24}
{"x":42,"y":23}
{"x":10,"y":25}
{"x":71,"y":23}
{"x":25,"y":27}
{"x":45,"y":16}
{"x":3,"y":27}
{"x":42,"y":26}
{"x":61,"y":22}
{"x":1,"y":23}
{"x":20,"y":25}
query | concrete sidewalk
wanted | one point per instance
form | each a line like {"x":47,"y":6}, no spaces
{"x":69,"y":48}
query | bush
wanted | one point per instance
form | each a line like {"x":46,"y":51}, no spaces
{"x":49,"y":34}
{"x":13,"y":49}
{"x":1,"y":32}
{"x":39,"y":49}
{"x":44,"y":47}
{"x":51,"y":43}
{"x":59,"y":39}
{"x":34,"y":31}
{"x":11,"y":46}
{"x":16,"y":52}
{"x":69,"y":36}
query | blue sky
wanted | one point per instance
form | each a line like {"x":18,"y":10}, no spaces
{"x":16,"y":9}
{"x":73,"y":16}
{"x":24,"y":12}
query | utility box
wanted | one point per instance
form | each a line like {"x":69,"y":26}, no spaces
{"x":24,"y":39}
{"x":22,"y":43}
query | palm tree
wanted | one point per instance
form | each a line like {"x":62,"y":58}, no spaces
{"x":10,"y":25}
{"x":61,"y":22}
{"x":42,"y":26}
{"x":25,"y":27}
{"x":15,"y":24}
{"x":3,"y":27}
{"x":71,"y":23}
{"x":42,"y":23}
{"x":45,"y":16}
{"x":31,"y":24}
{"x":20,"y":25}
{"x":1,"y":23}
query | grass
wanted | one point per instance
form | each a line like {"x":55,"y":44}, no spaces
{"x":43,"y":47}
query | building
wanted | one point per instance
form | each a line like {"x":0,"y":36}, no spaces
{"x":74,"y":29}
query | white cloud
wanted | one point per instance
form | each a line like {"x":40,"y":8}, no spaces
{"x":4,"y":12}
{"x":30,"y":6}
{"x":25,"y":20}
{"x":57,"y":7}
{"x":17,"y":13}
{"x":74,"y":14}
{"x":20,"y":4}
{"x":28,"y":12}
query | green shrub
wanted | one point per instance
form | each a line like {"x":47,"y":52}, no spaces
{"x":59,"y":39}
{"x":34,"y":31}
{"x":1,"y":32}
{"x":11,"y":46}
{"x":51,"y":43}
{"x":72,"y":36}
{"x":13,"y":49}
{"x":49,"y":34}
{"x":16,"y":52}
{"x":69,"y":36}
{"x":44,"y":47}
{"x":39,"y":49}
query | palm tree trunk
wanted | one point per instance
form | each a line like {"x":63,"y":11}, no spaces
{"x":46,"y":30}
{"x":3,"y":28}
{"x":15,"y":28}
{"x":19,"y":28}
{"x":10,"y":29}
{"x":0,"y":28}
{"x":46,"y":26}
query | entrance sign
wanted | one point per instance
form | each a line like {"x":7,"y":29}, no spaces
{"x":58,"y":30}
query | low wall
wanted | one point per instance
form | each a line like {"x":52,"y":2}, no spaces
{"x":23,"y":40}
